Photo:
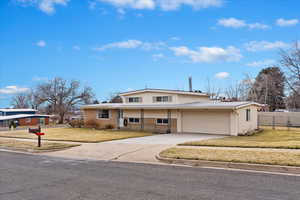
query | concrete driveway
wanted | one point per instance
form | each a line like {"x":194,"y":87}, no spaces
{"x":143,"y":149}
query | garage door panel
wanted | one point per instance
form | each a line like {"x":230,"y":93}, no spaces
{"x":205,"y":122}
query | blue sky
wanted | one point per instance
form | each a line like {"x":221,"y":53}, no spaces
{"x":117,"y":45}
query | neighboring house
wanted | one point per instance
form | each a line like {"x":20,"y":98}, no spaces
{"x":173,"y":111}
{"x":23,"y":117}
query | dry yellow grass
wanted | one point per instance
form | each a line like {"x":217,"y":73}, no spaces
{"x":76,"y":134}
{"x":32,"y":146}
{"x":288,"y":158}
{"x":265,"y":139}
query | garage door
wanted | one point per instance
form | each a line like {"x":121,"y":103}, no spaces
{"x":206,"y":122}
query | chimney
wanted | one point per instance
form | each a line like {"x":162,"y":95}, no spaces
{"x":190,"y":84}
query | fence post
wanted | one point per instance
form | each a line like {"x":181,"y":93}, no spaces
{"x":258,"y":121}
{"x":288,"y":123}
{"x":273,"y":123}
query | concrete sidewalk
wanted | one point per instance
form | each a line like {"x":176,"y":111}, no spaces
{"x":143,"y":149}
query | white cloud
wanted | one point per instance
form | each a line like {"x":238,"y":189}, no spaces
{"x":165,"y":5}
{"x":238,"y":23}
{"x":41,"y":43}
{"x":261,"y":63}
{"x":195,"y":4}
{"x":222,"y":75}
{"x":158,"y":56}
{"x":38,"y":78}
{"x":209,"y":54}
{"x":132,"y":44}
{"x":286,"y":22}
{"x":13,"y":90}
{"x":76,"y":47}
{"x":47,"y":6}
{"x":175,"y":38}
{"x":258,"y":26}
{"x":265,"y":45}
{"x":135,"y":4}
{"x":232,"y":22}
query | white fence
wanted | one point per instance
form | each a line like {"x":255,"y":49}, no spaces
{"x":283,"y":119}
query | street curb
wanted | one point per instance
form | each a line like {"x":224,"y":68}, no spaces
{"x":231,"y":165}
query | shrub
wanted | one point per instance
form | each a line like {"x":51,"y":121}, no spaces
{"x":109,"y":126}
{"x":76,"y":123}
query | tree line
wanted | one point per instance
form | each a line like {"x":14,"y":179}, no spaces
{"x":278,"y":86}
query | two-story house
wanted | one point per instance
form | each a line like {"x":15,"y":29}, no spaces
{"x":173,"y":111}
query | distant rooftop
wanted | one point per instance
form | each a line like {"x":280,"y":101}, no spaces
{"x":17,"y":110}
{"x":195,"y":92}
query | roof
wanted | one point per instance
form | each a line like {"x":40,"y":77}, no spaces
{"x":17,"y":110}
{"x":164,"y":91}
{"x":20,"y":116}
{"x":197,"y":105}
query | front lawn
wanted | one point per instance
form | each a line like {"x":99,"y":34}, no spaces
{"x":32,"y":146}
{"x":76,"y":134}
{"x":266,"y":139}
{"x":264,"y":156}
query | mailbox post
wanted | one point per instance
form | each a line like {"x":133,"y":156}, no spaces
{"x":37,"y":132}
{"x":39,"y":138}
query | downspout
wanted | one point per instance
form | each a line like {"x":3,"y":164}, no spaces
{"x":169,"y":121}
{"x":142,"y":119}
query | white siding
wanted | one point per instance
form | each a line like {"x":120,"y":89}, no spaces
{"x":243,"y":125}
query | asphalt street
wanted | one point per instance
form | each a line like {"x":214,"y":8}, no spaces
{"x":37,"y":177}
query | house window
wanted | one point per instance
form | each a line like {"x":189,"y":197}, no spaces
{"x":103,"y":114}
{"x":248,"y":115}
{"x":162,"y":99}
{"x":134,"y":99}
{"x":162,"y":121}
{"x":133,"y":120}
{"x":28,"y":120}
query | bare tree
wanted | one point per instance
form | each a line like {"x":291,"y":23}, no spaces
{"x":61,"y":96}
{"x":213,"y":90}
{"x":290,"y":61}
{"x":115,"y":98}
{"x":234,"y":92}
{"x":20,"y":101}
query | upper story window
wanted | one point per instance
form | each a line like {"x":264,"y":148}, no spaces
{"x":248,"y":115}
{"x":134,"y":99}
{"x":162,"y":99}
{"x":103,"y":114}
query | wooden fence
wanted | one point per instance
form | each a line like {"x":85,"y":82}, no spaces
{"x":282,"y":119}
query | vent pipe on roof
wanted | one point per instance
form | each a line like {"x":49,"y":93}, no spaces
{"x":190,"y":84}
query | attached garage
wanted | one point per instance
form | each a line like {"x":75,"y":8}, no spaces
{"x":211,"y":122}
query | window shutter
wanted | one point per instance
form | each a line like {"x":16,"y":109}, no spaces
{"x":170,"y":98}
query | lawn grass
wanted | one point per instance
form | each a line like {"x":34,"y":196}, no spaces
{"x":32,"y":146}
{"x":286,"y":158}
{"x":76,"y":134}
{"x":268,"y":138}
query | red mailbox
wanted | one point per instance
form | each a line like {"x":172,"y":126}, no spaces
{"x":39,"y":134}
